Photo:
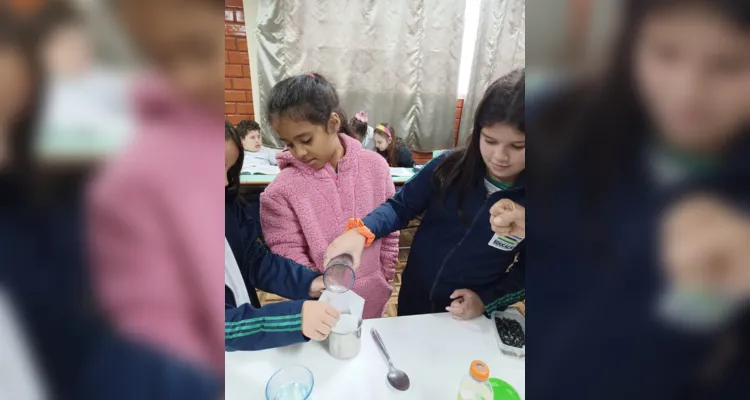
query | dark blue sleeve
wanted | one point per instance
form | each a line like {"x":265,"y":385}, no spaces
{"x":510,"y":290}
{"x":273,"y":325}
{"x":122,"y":370}
{"x":408,"y":203}
{"x":270,"y":272}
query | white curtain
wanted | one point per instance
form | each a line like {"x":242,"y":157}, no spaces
{"x":397,"y":59}
{"x":501,"y":48}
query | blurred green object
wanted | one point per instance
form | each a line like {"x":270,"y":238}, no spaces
{"x":502,"y":390}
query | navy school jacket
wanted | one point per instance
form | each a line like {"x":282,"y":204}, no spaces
{"x":446,"y":254}
{"x":250,"y":326}
{"x":597,"y":290}
{"x":43,"y":267}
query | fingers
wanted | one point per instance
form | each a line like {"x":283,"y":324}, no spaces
{"x":456,"y":312}
{"x":333,"y":313}
{"x":504,"y":205}
{"x":321,"y":332}
{"x":460,"y":293}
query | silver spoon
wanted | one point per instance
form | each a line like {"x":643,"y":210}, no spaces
{"x":397,"y":378}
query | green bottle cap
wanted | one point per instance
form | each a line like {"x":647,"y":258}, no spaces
{"x":502,"y":390}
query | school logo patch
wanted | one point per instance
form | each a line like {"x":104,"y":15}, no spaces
{"x":505,"y":243}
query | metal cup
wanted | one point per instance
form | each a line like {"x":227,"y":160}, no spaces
{"x":345,"y":344}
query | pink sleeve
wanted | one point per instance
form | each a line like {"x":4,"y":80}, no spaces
{"x":136,"y":271}
{"x":282,"y":230}
{"x":389,"y":247}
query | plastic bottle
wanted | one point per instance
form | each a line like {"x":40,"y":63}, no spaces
{"x":475,"y":385}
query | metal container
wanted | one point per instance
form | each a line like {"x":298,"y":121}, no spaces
{"x":345,"y":339}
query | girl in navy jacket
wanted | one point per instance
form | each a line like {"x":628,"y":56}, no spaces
{"x":456,"y":262}
{"x":249,"y":265}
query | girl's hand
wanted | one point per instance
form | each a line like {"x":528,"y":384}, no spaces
{"x":466,"y":305}
{"x":705,"y":245}
{"x":317,"y":287}
{"x":508,"y":219}
{"x":351,"y":243}
{"x":317,"y":319}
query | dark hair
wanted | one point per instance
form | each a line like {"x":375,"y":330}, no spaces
{"x":344,"y":128}
{"x":54,"y":15}
{"x":390,"y":154}
{"x":359,"y":128}
{"x":246,"y":126}
{"x":601,"y":126}
{"x":233,"y":175}
{"x":309,"y":97}
{"x":15,"y":36}
{"x":503,"y":102}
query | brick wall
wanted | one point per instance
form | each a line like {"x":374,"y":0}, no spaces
{"x":238,"y":95}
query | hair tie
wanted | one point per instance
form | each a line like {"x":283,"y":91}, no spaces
{"x":384,"y":129}
{"x":361,"y":116}
{"x":311,"y":75}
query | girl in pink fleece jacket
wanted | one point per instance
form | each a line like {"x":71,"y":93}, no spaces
{"x":326,"y":178}
{"x":157,"y":211}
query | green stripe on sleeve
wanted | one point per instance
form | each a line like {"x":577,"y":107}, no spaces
{"x":252,"y":326}
{"x":504,"y":301}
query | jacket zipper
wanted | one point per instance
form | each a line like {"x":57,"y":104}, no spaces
{"x":453,"y":250}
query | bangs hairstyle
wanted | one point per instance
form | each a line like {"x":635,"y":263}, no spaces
{"x":309,"y":97}
{"x":390,"y":152}
{"x":503,"y":103}
{"x":233,"y":175}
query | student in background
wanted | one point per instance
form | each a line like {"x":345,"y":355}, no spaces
{"x":642,"y":185}
{"x":456,"y":262}
{"x":44,"y":274}
{"x":255,"y":153}
{"x":391,"y":147}
{"x":249,"y":265}
{"x":155,"y":238}
{"x":326,"y":181}
{"x":364,"y":132}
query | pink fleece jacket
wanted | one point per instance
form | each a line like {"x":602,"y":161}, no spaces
{"x":303,"y":210}
{"x":157,"y":223}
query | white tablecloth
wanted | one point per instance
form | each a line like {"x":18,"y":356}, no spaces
{"x":434,"y":350}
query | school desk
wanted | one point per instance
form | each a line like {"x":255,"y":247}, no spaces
{"x":263,"y":180}
{"x":434,"y":350}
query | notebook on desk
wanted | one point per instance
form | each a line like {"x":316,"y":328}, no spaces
{"x":402,"y":172}
{"x":260,"y":170}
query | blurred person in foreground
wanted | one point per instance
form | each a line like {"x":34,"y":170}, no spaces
{"x":156,"y":211}
{"x":641,"y":180}
{"x":43,"y":273}
{"x":86,"y":104}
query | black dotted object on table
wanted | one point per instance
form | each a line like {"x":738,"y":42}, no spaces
{"x":511,"y":332}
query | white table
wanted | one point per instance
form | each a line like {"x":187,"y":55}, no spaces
{"x":434,"y":350}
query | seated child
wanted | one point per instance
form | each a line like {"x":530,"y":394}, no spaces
{"x":248,"y":264}
{"x":255,"y":154}
{"x":363,"y":131}
{"x":391,"y":147}
{"x":325,"y":180}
